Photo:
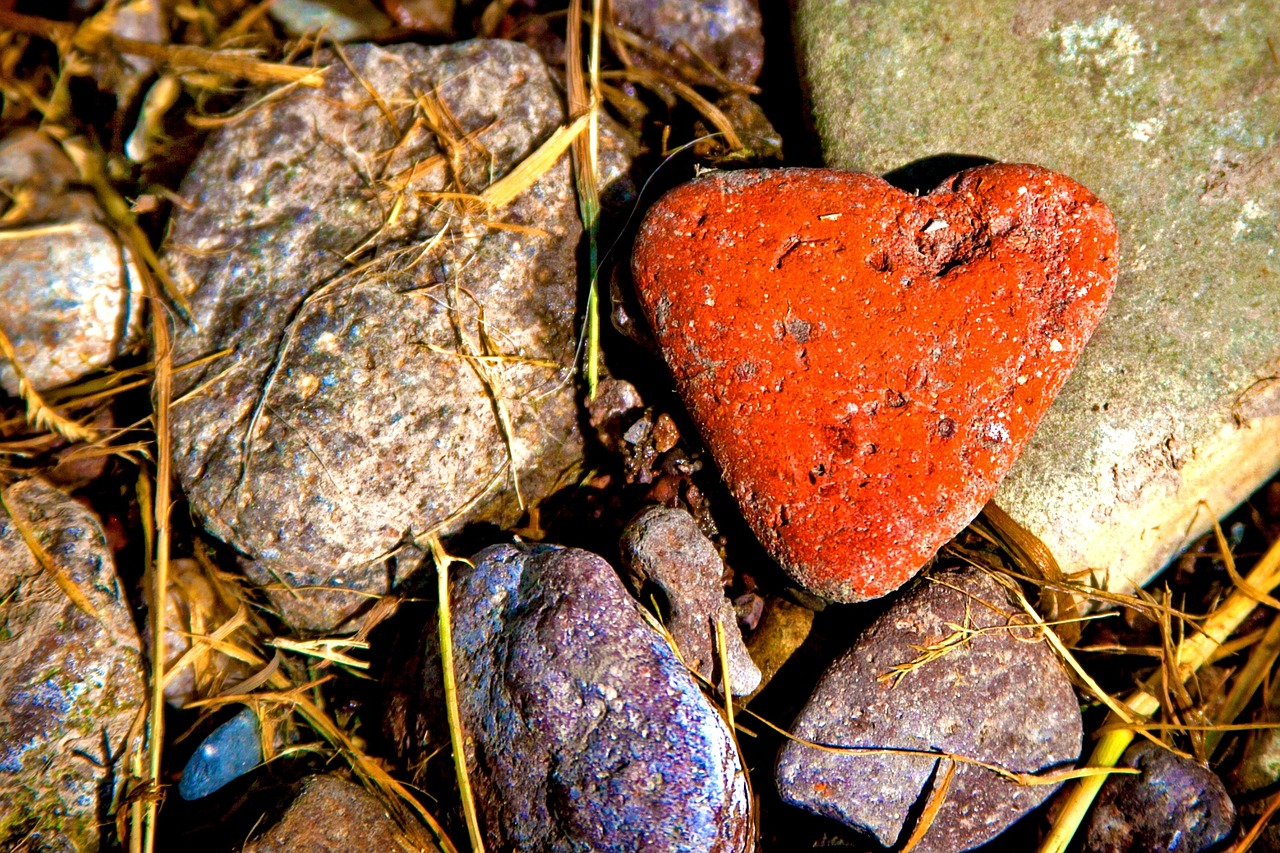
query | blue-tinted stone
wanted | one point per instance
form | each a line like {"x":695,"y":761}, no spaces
{"x":585,"y":730}
{"x":234,"y":748}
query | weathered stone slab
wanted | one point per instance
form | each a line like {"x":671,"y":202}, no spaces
{"x":1170,"y":112}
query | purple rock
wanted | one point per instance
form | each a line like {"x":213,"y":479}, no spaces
{"x":918,"y":679}
{"x":665,"y":547}
{"x":1173,"y":805}
{"x":723,"y":33}
{"x":584,"y":731}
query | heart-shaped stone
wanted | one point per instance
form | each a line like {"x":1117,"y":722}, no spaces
{"x":865,"y":365}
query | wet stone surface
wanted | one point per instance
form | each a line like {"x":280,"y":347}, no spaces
{"x":584,"y":730}
{"x":865,"y":365}
{"x":996,"y":695}
{"x":70,"y":684}
{"x":1170,"y":113}
{"x":70,"y":301}
{"x":665,"y":547}
{"x":396,"y":369}
{"x":1175,"y":805}
{"x":331,"y":814}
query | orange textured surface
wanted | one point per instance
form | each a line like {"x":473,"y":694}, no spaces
{"x":866,"y":365}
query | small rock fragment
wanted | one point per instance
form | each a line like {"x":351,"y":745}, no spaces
{"x":341,"y":20}
{"x":949,"y":667}
{"x":584,"y":731}
{"x":665,"y":547}
{"x":1174,"y":805}
{"x":400,"y":366}
{"x":783,"y":628}
{"x":71,"y":684}
{"x":864,"y":364}
{"x":230,"y":751}
{"x":331,"y":814}
{"x":724,"y":33}
{"x":71,"y":298}
{"x":197,"y":605}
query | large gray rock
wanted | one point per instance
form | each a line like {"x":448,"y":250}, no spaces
{"x":70,"y":684}
{"x":1170,"y":112}
{"x":584,"y":730}
{"x":401,"y":362}
{"x":949,"y":667}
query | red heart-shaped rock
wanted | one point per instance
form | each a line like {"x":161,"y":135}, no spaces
{"x":865,"y":365}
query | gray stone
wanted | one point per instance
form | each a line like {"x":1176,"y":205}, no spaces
{"x":1173,"y":805}
{"x":665,"y":547}
{"x":70,"y":684}
{"x":1170,"y":112}
{"x":330,"y":814}
{"x":949,"y":667}
{"x":71,"y":300}
{"x":584,"y":730}
{"x":400,"y":361}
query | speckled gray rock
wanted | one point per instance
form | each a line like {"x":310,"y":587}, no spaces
{"x":585,"y":732}
{"x":70,"y":298}
{"x":724,"y":33}
{"x":998,"y":696}
{"x":1173,"y":805}
{"x":70,"y":684}
{"x":1170,"y":112}
{"x":399,"y":363}
{"x":665,"y":547}
{"x":330,"y":814}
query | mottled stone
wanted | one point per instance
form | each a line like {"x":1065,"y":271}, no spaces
{"x":399,"y":365}
{"x":70,"y":298}
{"x":1170,"y":112}
{"x":1173,"y":805}
{"x":724,"y":33}
{"x":70,"y":684}
{"x":330,"y":814}
{"x":865,"y":364}
{"x":950,"y":667}
{"x":665,"y":547}
{"x":584,"y":730}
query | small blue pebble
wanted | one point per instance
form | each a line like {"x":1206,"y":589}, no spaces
{"x":232,"y":750}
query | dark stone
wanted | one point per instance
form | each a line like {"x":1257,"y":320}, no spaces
{"x":584,"y":731}
{"x":914,"y":680}
{"x":355,"y":409}
{"x":665,"y":547}
{"x":1173,"y":805}
{"x":330,"y":814}
{"x":71,"y":684}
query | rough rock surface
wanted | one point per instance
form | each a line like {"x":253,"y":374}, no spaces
{"x":70,"y":298}
{"x":585,"y":732}
{"x":865,"y":365}
{"x":950,"y":667}
{"x":399,"y":365}
{"x":1170,"y":112}
{"x":1174,"y":805}
{"x":724,"y":33}
{"x":665,"y":547}
{"x":330,"y":814}
{"x":70,"y":684}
